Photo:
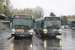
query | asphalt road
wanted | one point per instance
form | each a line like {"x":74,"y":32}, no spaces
{"x":64,"y":42}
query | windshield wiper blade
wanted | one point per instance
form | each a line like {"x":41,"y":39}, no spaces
{"x":52,"y":27}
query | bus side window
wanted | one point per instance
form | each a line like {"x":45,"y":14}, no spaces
{"x":42,"y":23}
{"x":36,"y":24}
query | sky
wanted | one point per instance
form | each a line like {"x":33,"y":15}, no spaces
{"x":59,"y":7}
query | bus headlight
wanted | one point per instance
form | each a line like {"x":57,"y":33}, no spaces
{"x":45,"y":30}
{"x":59,"y":31}
{"x":31,"y":30}
{"x":12,"y":32}
{"x":31,"y":33}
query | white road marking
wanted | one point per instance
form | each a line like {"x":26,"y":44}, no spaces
{"x":71,"y":40}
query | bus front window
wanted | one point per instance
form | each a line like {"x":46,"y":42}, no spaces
{"x":73,"y":24}
{"x":20,"y":22}
{"x":52,"y":24}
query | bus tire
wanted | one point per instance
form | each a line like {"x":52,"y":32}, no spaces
{"x":36,"y":33}
{"x":31,"y":37}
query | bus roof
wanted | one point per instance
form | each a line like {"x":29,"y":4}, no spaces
{"x":23,"y":14}
{"x":41,"y":19}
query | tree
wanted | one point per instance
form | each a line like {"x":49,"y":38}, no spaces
{"x":36,"y":12}
{"x":24,"y":11}
{"x":8,"y":8}
{"x":39,"y":12}
{"x":1,"y":6}
{"x":52,"y":14}
{"x":64,"y":20}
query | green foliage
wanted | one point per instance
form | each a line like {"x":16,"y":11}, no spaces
{"x":52,"y":14}
{"x":64,"y":20}
{"x":24,"y":11}
{"x":38,"y":12}
{"x":1,"y":6}
{"x":6,"y":8}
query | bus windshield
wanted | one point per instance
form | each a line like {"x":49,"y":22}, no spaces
{"x":52,"y":24}
{"x":73,"y":24}
{"x":20,"y":22}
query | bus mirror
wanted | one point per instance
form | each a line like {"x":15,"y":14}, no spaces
{"x":11,"y":20}
{"x":43,"y":22}
{"x":34,"y":20}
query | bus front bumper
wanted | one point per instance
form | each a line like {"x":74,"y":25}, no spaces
{"x":50,"y":34}
{"x":22,"y":34}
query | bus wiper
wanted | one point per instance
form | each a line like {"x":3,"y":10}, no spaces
{"x":56,"y":26}
{"x":26,"y":27}
{"x":52,"y":27}
{"x":22,"y":26}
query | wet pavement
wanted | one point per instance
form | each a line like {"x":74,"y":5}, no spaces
{"x":64,"y":42}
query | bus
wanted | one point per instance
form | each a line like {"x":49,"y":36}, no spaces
{"x":22,"y":25}
{"x":48,"y":26}
{"x":72,"y":24}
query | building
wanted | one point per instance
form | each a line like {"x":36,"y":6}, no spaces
{"x":4,"y":22}
{"x":69,"y":23}
{"x":69,"y":20}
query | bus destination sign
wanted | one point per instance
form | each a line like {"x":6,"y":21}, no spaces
{"x":23,"y":16}
{"x":52,"y":18}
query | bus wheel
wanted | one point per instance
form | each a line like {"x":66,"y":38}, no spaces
{"x":36,"y":33}
{"x":31,"y":37}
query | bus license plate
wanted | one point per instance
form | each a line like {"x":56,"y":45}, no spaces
{"x":52,"y":34}
{"x":22,"y":35}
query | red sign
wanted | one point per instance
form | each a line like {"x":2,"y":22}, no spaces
{"x":16,"y":16}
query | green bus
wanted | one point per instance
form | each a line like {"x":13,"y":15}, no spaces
{"x":48,"y":26}
{"x":73,"y":24}
{"x":22,"y":25}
